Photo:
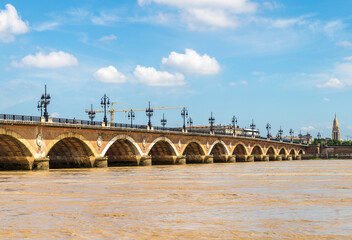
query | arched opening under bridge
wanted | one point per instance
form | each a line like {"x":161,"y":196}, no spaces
{"x":70,"y":152}
{"x":240,"y":152}
{"x":194,"y":152}
{"x":219,"y":152}
{"x":162,"y":153}
{"x":14,"y":155}
{"x":257,"y":153}
{"x":123,"y":152}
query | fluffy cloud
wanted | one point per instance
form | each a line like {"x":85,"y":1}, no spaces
{"x":200,"y":14}
{"x":151,"y":77}
{"x":52,"y":60}
{"x":309,"y":128}
{"x":109,"y":75}
{"x":331,"y":83}
{"x":326,"y":99}
{"x":244,"y":83}
{"x":11,"y":24}
{"x":192,"y":63}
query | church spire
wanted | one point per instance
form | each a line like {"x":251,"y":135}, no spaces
{"x":336,"y":129}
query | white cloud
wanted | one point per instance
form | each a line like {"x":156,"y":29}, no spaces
{"x":345,"y":44}
{"x":271,"y":5}
{"x":309,"y":128}
{"x":244,"y":83}
{"x":52,"y":60}
{"x":11,"y":24}
{"x":326,"y":99}
{"x":108,"y":38}
{"x":200,"y":14}
{"x":151,"y":77}
{"x":192,"y":63}
{"x":331,"y":83}
{"x":109,"y":75}
{"x":284,"y":23}
{"x":348,"y":58}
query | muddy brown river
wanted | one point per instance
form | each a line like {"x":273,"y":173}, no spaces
{"x":261,"y":200}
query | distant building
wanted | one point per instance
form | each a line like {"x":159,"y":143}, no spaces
{"x":336,"y":130}
{"x":303,"y":139}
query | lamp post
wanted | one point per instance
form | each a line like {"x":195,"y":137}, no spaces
{"x":308,"y":137}
{"x":190,"y":122}
{"x":91,"y":114}
{"x":184,"y":115}
{"x":211,"y":121}
{"x":300,"y":137}
{"x":40,"y":107}
{"x":44,"y":102}
{"x":163,"y":121}
{"x":268,"y":128}
{"x":105,"y":102}
{"x":252,"y":126}
{"x":319,"y":136}
{"x":149,"y":112}
{"x":131,"y":116}
{"x":280,"y":132}
{"x":291,"y":133}
{"x":234,"y":123}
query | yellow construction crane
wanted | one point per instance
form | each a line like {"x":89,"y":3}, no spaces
{"x":112,"y":110}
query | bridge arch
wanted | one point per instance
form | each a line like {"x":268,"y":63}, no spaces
{"x":301,"y":152}
{"x":193,"y":147}
{"x":271,"y":151}
{"x":283,"y":151}
{"x":293,"y":152}
{"x":239,"y":148}
{"x":122,"y":150}
{"x":162,"y":151}
{"x":15,"y":152}
{"x":70,"y":150}
{"x":257,"y":150}
{"x":219,"y":148}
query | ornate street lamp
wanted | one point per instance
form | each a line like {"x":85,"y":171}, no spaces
{"x":40,"y":107}
{"x":91,"y":114}
{"x":131,"y":116}
{"x":190,"y":122}
{"x":280,"y":132}
{"x":252,"y":126}
{"x":149,"y":112}
{"x":300,"y":137}
{"x":234,"y":123}
{"x":105,"y":102}
{"x":211,"y":121}
{"x":268,"y":128}
{"x":291,"y":133}
{"x":319,"y":135}
{"x":163,"y":121}
{"x":44,"y":102}
{"x":184,"y":115}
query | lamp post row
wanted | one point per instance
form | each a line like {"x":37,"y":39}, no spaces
{"x":105,"y":103}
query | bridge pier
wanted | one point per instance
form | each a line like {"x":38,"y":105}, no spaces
{"x":41,"y":164}
{"x":260,"y":157}
{"x":180,"y":160}
{"x":289,"y":158}
{"x":298,"y":157}
{"x":266,"y":158}
{"x":101,"y":162}
{"x":145,"y":161}
{"x":278,"y":158}
{"x":231,"y":159}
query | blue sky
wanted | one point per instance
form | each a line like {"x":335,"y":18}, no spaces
{"x":288,"y":63}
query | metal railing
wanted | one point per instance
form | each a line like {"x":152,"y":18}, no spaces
{"x":124,"y":125}
{"x":19,"y":118}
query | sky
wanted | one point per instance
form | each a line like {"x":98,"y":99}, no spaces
{"x":287,"y":63}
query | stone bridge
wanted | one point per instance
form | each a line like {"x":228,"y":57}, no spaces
{"x":27,"y":145}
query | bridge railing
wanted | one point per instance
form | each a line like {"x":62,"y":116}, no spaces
{"x":19,"y":118}
{"x":124,"y":125}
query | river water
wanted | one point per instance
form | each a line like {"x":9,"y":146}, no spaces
{"x":261,"y":200}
